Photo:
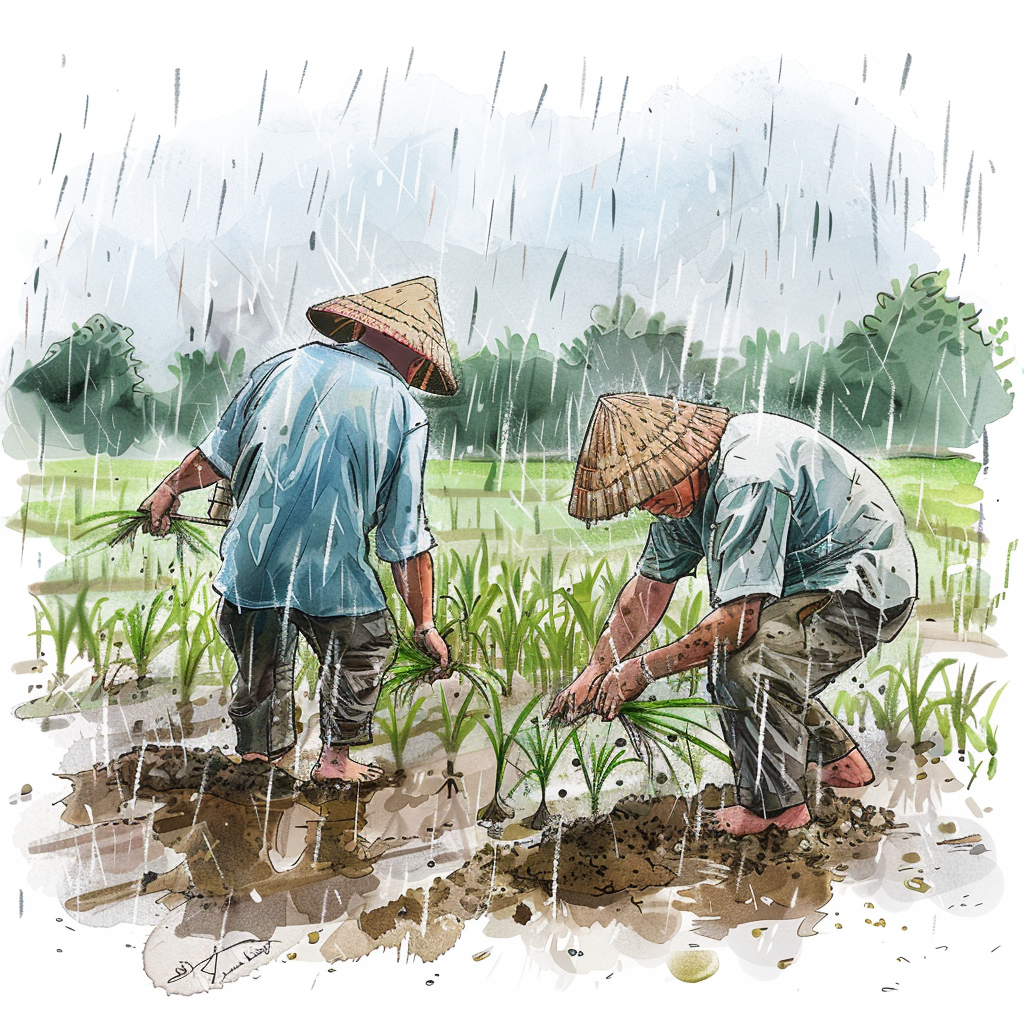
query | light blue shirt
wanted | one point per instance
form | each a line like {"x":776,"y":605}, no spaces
{"x":322,"y":445}
{"x":787,"y":510}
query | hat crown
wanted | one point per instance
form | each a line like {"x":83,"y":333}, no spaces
{"x":637,"y":446}
{"x":409,"y":313}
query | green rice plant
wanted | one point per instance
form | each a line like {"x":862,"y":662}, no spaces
{"x":396,"y":719}
{"x":308,"y":670}
{"x":597,"y":764}
{"x":61,"y":621}
{"x":501,"y":740}
{"x":96,"y":636}
{"x":511,"y":626}
{"x":673,"y":728}
{"x":38,"y":632}
{"x":584,"y":597}
{"x":144,"y":634}
{"x":119,"y":527}
{"x":983,"y":739}
{"x":918,"y":709}
{"x":221,"y":660}
{"x":563,"y":655}
{"x":453,"y":731}
{"x":542,"y":748}
{"x":962,"y":699}
{"x":463,"y":620}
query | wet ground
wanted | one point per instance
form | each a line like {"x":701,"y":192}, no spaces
{"x":237,"y":865}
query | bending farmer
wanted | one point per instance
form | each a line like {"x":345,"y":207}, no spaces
{"x":322,"y":445}
{"x":809,"y":568}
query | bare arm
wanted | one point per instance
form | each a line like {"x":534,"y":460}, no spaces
{"x":194,"y":473}
{"x":414,"y":580}
{"x":638,"y":609}
{"x":730,"y":626}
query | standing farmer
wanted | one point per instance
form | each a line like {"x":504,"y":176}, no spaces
{"x":323,"y":444}
{"x":809,"y":568}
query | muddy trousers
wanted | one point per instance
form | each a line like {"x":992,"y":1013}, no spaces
{"x":771,"y":720}
{"x":352,"y":652}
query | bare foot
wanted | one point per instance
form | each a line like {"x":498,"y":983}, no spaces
{"x":849,"y":772}
{"x":255,"y":755}
{"x":335,"y":765}
{"x":738,"y":821}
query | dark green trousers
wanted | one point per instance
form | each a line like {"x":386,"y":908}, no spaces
{"x":353,"y":652}
{"x":771,"y":719}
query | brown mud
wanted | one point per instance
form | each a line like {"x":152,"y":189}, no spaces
{"x":260,"y":851}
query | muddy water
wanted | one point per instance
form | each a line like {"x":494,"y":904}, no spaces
{"x":238,"y":865}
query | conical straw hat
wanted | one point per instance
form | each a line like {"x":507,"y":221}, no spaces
{"x":407,"y":312}
{"x":638,"y":446}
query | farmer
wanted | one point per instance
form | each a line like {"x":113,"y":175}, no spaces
{"x":323,"y":444}
{"x":809,"y":568}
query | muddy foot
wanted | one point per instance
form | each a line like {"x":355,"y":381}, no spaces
{"x":335,"y":765}
{"x":738,"y":821}
{"x":849,"y":772}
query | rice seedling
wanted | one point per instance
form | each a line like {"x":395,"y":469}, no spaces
{"x":512,"y":626}
{"x":309,"y":669}
{"x":61,"y":621}
{"x":673,"y":728}
{"x":918,"y":708}
{"x":119,"y":527}
{"x":597,"y":764}
{"x":542,"y":748}
{"x":453,"y":731}
{"x":584,"y":597}
{"x":501,"y":740}
{"x":96,"y":636}
{"x":983,"y":740}
{"x":395,"y":724}
{"x":954,"y":720}
{"x":143,"y":634}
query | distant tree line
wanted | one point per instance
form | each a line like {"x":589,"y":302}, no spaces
{"x":88,"y":393}
{"x":916,"y":375}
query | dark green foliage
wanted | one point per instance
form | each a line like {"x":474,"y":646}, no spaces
{"x":921,"y":356}
{"x":86,"y":389}
{"x":87,"y":392}
{"x":915,"y":375}
{"x":206,"y":384}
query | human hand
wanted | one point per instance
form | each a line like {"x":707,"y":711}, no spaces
{"x":577,"y":698}
{"x":160,"y":504}
{"x":427,"y":638}
{"x":624,"y":682}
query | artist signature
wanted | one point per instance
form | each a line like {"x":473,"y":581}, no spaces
{"x":246,"y":950}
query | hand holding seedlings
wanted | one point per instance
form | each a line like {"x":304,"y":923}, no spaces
{"x":194,"y":473}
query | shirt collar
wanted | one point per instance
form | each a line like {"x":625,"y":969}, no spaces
{"x":357,"y":348}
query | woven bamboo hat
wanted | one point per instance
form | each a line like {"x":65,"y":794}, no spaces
{"x":409,"y":313}
{"x":638,"y":446}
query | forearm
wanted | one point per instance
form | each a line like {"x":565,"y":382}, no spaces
{"x":730,"y":627}
{"x":638,"y":610}
{"x":414,"y":580}
{"x":194,"y":473}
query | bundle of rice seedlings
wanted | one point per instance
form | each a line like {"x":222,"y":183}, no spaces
{"x":670,"y":727}
{"x":119,"y":527}
{"x":413,"y":667}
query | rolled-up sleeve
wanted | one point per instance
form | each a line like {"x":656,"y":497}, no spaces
{"x":671,"y":552}
{"x":749,"y":543}
{"x":223,"y":444}
{"x":402,"y":530}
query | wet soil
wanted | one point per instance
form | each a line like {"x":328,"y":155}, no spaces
{"x":232,"y":825}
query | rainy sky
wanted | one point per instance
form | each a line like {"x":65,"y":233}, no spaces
{"x":763,"y":193}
